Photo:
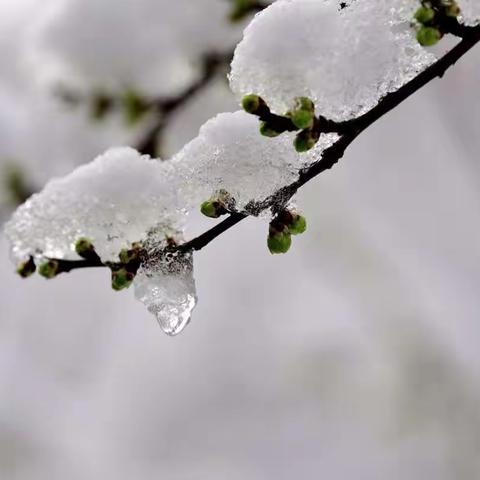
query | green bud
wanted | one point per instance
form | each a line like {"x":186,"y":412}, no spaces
{"x":84,"y":247}
{"x":302,"y":119}
{"x":101,"y":105}
{"x":27,"y":269}
{"x":303,"y":115}
{"x":124,"y":256}
{"x":268,"y":131}
{"x":134,"y":107}
{"x":452,"y":10}
{"x":304,"y":103}
{"x":122,"y":279}
{"x":305,"y":141}
{"x":428,"y":36}
{"x":252,"y":103}
{"x":424,"y":15}
{"x":298,"y":225}
{"x":240,"y":9}
{"x":128,"y":256}
{"x":213,"y":208}
{"x":15,"y":183}
{"x":49,"y":269}
{"x":279,"y":242}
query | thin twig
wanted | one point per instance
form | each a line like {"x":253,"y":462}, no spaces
{"x":165,"y":107}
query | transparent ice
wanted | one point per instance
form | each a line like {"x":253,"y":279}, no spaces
{"x":166,"y":286}
{"x":230,"y":154}
{"x":344,"y":59}
{"x":114,"y":201}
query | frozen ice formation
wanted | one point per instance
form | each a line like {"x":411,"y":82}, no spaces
{"x":230,"y":154}
{"x":343,"y":59}
{"x":470,"y":11}
{"x":114,"y":201}
{"x":166,"y":286}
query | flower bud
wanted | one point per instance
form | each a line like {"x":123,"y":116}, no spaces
{"x":84,"y":247}
{"x":127,"y":256}
{"x":303,"y":115}
{"x":253,"y":104}
{"x":452,"y":10}
{"x":27,"y":269}
{"x":267,"y":131}
{"x":122,"y":279}
{"x":134,"y":107}
{"x":424,"y":15}
{"x":428,"y":36}
{"x":217,"y":205}
{"x":279,"y":241}
{"x":49,"y":269}
{"x":213,"y":208}
{"x":305,"y":140}
{"x":302,"y":119}
{"x":101,"y":104}
{"x":298,"y":225}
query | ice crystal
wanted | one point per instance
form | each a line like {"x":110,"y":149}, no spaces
{"x":166,"y":286}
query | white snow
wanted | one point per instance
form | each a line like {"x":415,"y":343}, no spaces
{"x":114,"y":201}
{"x":230,"y":154}
{"x":470,"y":11}
{"x":345,"y":60}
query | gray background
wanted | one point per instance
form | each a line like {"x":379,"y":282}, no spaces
{"x":354,"y":356}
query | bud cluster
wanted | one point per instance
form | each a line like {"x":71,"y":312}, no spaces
{"x":301,"y":118}
{"x":123,"y":273}
{"x":433,"y":18}
{"x":282,"y":227}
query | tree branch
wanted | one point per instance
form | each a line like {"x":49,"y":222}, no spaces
{"x":351,"y":129}
{"x":471,"y":36}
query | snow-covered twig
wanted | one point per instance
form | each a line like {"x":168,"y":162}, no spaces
{"x":349,"y":130}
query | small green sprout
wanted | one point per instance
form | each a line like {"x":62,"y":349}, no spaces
{"x":26,"y":269}
{"x":428,"y":36}
{"x":49,"y":269}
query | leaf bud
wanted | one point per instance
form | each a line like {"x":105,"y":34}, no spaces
{"x":26,"y":269}
{"x":424,"y":15}
{"x":298,"y":225}
{"x":84,"y":248}
{"x":49,"y":269}
{"x":268,"y":131}
{"x":253,"y":104}
{"x":306,"y":140}
{"x":122,"y":279}
{"x":279,"y":241}
{"x":428,"y":36}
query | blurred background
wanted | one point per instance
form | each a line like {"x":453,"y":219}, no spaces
{"x":354,"y":356}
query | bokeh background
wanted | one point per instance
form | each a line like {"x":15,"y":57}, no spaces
{"x":354,"y":356}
